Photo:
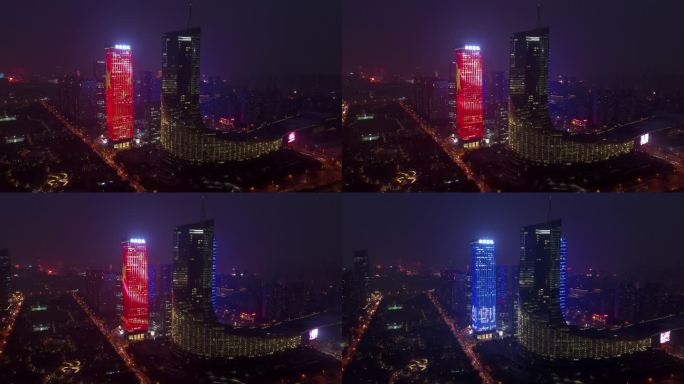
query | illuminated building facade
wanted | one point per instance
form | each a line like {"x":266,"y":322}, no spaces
{"x":119,"y":95}
{"x":541,"y":328}
{"x":483,"y":267}
{"x":135,"y":316}
{"x":563,"y":276}
{"x":469,"y":115}
{"x":183,"y":133}
{"x":194,"y":326}
{"x":531,"y":135}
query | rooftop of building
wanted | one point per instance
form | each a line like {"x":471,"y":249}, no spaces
{"x":279,"y":129}
{"x":287,"y":328}
{"x":633,"y":130}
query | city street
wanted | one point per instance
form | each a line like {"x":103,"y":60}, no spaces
{"x":106,"y":155}
{"x":117,"y":345}
{"x":455,"y":154}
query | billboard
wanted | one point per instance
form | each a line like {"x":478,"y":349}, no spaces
{"x":313,"y":334}
{"x":664,"y":337}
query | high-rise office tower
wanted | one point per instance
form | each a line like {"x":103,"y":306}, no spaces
{"x":360,"y":279}
{"x":119,"y":95}
{"x":495,"y":106}
{"x":563,"y":289}
{"x":528,"y":90}
{"x":530,"y":130}
{"x":135,"y":316}
{"x":361,"y":271}
{"x":69,"y":96}
{"x":541,"y":327}
{"x":194,"y":269}
{"x":469,"y":114}
{"x":504,"y":298}
{"x":451,"y":94}
{"x":540,"y":270}
{"x":100,"y":75}
{"x":180,"y":111}
{"x":183,"y":134}
{"x":348,"y":306}
{"x":483,"y":269}
{"x":5,"y":278}
{"x":161,"y":307}
{"x":194,"y":325}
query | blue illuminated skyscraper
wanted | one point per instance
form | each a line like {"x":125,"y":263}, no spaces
{"x":483,"y":269}
{"x":563,"y":275}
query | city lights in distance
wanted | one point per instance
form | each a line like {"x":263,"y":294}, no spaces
{"x":137,"y":241}
{"x":313,"y":334}
{"x":533,"y":38}
{"x":664,"y":337}
{"x":644,"y":139}
{"x":485,"y":241}
{"x":125,"y":47}
{"x":472,"y":47}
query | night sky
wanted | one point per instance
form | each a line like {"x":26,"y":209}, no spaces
{"x":240,"y":39}
{"x":589,"y":38}
{"x":633,"y":234}
{"x":278,"y":235}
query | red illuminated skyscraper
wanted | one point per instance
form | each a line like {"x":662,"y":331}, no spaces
{"x":134,"y":282}
{"x":469,"y":118}
{"x":119,"y":94}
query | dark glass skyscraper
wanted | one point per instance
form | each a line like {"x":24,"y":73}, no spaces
{"x":194,"y":269}
{"x":99,"y":73}
{"x":540,"y":271}
{"x":483,"y":267}
{"x":529,"y":79}
{"x":5,"y":278}
{"x":541,"y":327}
{"x":531,"y":134}
{"x":194,"y":325}
{"x":183,"y":133}
{"x":180,"y":112}
{"x":362,"y":270}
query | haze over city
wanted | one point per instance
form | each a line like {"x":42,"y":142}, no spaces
{"x":590,"y":39}
{"x":241,"y":40}
{"x":619,"y":233}
{"x":256,"y":234}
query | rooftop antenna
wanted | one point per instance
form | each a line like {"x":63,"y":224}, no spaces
{"x":189,"y":13}
{"x":548,"y":213}
{"x":539,"y":21}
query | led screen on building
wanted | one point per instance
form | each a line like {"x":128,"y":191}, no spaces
{"x":469,"y":115}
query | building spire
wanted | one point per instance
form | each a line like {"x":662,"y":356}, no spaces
{"x":539,"y":20}
{"x":549,"y":211}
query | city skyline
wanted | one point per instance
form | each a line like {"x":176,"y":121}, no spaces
{"x":256,"y":234}
{"x":436,"y":230}
{"x":374,"y":38}
{"x":484,"y":191}
{"x":239,"y":42}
